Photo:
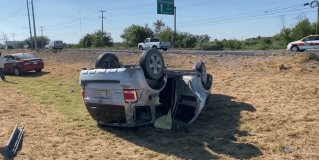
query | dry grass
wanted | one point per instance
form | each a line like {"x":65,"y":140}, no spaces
{"x":256,"y":111}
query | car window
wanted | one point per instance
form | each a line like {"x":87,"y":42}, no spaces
{"x":311,"y":38}
{"x":317,"y":38}
{"x":25,"y":56}
{"x":154,"y":40}
{"x":146,"y":40}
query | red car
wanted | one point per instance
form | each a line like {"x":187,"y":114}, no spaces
{"x":22,"y":62}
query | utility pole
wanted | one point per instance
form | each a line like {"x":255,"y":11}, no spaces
{"x":42,"y":44}
{"x":5,"y":38}
{"x":174,"y":41}
{"x":314,"y":4}
{"x":14,"y":41}
{"x":102,"y":17}
{"x":34,"y":29}
{"x":29,"y":24}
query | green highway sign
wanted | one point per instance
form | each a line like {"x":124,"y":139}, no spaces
{"x":165,"y":7}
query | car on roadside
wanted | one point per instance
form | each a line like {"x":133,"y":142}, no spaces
{"x":56,"y":45}
{"x":153,"y":43}
{"x":2,"y":46}
{"x":20,"y":63}
{"x":307,"y":43}
{"x":136,"y":95}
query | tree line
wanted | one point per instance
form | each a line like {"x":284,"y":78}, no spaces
{"x":134,"y":34}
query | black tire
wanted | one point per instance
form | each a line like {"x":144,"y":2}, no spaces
{"x":209,"y":82}
{"x":16,"y":71}
{"x":140,"y":47}
{"x":164,"y":49}
{"x":294,"y":49}
{"x":206,"y":79}
{"x":154,"y":47}
{"x":107,"y":61}
{"x":156,"y":84}
{"x":152,"y":63}
{"x":38,"y":70}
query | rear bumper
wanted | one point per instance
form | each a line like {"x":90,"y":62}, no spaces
{"x":114,"y":115}
{"x":31,"y":67}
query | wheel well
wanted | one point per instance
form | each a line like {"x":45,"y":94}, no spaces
{"x":294,"y":46}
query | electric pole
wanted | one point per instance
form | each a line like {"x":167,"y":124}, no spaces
{"x":5,"y":38}
{"x":34,"y":29}
{"x":42,"y":44}
{"x":14,"y":41}
{"x":174,"y":41}
{"x":29,"y":24}
{"x":314,"y":4}
{"x":102,"y":17}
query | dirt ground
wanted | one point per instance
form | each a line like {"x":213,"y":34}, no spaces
{"x":262,"y":107}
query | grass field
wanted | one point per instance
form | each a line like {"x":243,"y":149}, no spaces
{"x":256,"y":111}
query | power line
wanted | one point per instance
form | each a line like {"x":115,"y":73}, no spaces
{"x":249,"y":13}
{"x":230,"y":18}
{"x":238,"y":20}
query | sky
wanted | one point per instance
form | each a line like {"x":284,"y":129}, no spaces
{"x":69,"y":20}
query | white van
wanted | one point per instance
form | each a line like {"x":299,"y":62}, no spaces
{"x":57,"y":44}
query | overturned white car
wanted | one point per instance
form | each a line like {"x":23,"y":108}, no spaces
{"x":136,"y":95}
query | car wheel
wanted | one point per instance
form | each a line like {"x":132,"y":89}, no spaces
{"x":294,"y":48}
{"x":38,"y":70}
{"x":152,"y":63}
{"x":107,"y":61}
{"x":154,"y":47}
{"x":16,"y":71}
{"x":140,"y":47}
{"x":164,"y":49}
{"x":206,"y":79}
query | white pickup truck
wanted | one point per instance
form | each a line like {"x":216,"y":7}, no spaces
{"x":154,"y":43}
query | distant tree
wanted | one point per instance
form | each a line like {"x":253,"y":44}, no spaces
{"x":203,"y":38}
{"x":86,"y":41}
{"x":134,"y":34}
{"x":94,"y":40}
{"x":41,"y":41}
{"x":301,"y":29}
{"x":166,"y":34}
{"x":158,"y":26}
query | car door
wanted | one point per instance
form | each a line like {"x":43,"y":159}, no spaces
{"x":316,"y":43}
{"x":9,"y":63}
{"x":147,"y":43}
{"x":309,"y":43}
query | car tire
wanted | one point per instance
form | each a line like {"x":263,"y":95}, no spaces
{"x":164,"y":49}
{"x":16,"y":71}
{"x":38,"y":70}
{"x":157,"y":84}
{"x":208,"y":84}
{"x":294,"y":49}
{"x":152,"y":63}
{"x":154,"y":47}
{"x":206,"y":79}
{"x":140,"y":47}
{"x":107,"y":61}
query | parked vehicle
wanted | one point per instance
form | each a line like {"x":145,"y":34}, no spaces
{"x":136,"y":95}
{"x":308,"y":43}
{"x":2,"y":46}
{"x":56,"y":45}
{"x":22,"y":62}
{"x":154,"y":43}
